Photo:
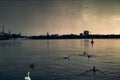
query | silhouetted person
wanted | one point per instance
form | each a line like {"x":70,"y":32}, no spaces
{"x":32,"y":66}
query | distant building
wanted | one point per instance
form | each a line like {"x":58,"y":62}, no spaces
{"x":81,"y":34}
{"x":48,"y":34}
{"x":86,"y":33}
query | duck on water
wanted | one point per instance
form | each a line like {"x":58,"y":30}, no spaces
{"x":67,"y":57}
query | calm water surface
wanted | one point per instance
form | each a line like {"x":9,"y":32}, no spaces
{"x":48,"y":57}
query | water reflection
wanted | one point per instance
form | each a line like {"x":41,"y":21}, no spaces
{"x":49,"y":59}
{"x":86,"y":45}
{"x":9,"y":43}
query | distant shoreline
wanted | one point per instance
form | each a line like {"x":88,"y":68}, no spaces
{"x":76,"y":37}
{"x":58,"y":39}
{"x":85,"y":35}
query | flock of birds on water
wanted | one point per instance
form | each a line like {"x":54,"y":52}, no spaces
{"x":93,"y":70}
{"x":32,"y":66}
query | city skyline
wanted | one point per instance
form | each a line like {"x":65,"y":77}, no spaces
{"x":33,"y":17}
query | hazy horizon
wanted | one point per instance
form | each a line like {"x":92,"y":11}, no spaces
{"x":36,"y":17}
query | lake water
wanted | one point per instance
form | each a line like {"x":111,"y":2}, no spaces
{"x":48,"y":56}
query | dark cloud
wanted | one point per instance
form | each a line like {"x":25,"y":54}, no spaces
{"x":40,"y":16}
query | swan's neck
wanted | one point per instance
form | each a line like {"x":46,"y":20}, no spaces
{"x":28,"y":74}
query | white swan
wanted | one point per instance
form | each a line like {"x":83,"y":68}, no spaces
{"x":28,"y":76}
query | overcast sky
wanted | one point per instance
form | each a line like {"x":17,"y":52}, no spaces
{"x":36,"y":17}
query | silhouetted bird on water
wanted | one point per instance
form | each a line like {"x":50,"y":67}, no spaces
{"x":88,"y":56}
{"x":84,"y":53}
{"x":32,"y":66}
{"x":68,"y":57}
{"x":93,"y":70}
